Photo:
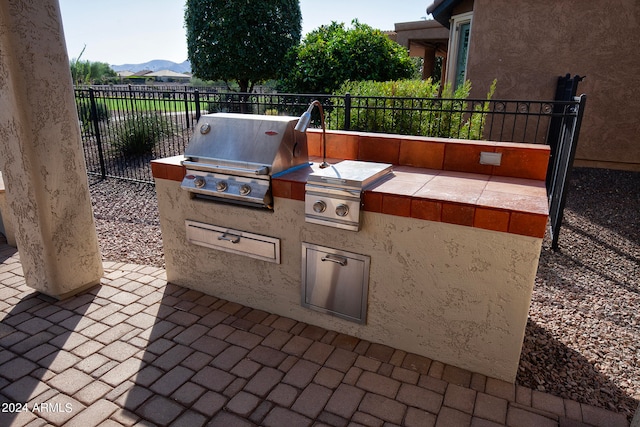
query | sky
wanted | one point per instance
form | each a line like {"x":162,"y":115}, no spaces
{"x":132,"y":32}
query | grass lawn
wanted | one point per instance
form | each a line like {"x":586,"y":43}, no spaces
{"x":158,"y":104}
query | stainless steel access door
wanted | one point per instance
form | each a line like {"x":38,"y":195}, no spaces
{"x":335,"y":282}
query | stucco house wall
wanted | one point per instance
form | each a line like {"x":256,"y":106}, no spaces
{"x":526,"y":45}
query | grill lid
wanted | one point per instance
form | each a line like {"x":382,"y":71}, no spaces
{"x":247,"y":141}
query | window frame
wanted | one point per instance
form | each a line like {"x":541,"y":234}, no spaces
{"x":457,"y":21}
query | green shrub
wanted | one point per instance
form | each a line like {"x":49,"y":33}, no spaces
{"x":227,"y":103}
{"x":412,"y":107}
{"x":86,"y":115}
{"x":335,"y":53}
{"x":213,"y":107}
{"x":138,"y":134}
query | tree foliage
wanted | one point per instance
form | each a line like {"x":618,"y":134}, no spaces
{"x":333,"y":54}
{"x":241,"y":40}
{"x":88,"y":72}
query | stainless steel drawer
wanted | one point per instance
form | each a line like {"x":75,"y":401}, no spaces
{"x":234,"y":241}
{"x":335,"y":282}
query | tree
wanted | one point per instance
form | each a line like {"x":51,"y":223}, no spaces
{"x":87,"y":72}
{"x":333,"y":54}
{"x":241,"y":40}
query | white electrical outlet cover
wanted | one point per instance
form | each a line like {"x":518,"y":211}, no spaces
{"x":488,"y":158}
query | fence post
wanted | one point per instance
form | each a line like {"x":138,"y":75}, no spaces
{"x":347,"y":111}
{"x":562,"y":170}
{"x":186,"y":108}
{"x":96,"y":129}
{"x":566,"y":89}
{"x":196,"y":98}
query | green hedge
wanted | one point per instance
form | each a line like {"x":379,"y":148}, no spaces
{"x":412,"y":107}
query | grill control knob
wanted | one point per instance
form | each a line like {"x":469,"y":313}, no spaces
{"x":205,"y":128}
{"x":319,"y":206}
{"x":245,"y":189}
{"x":199,"y":181}
{"x":342,"y":210}
{"x":221,"y":186}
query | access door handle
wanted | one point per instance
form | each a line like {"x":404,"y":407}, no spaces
{"x":229,"y":238}
{"x":335,"y":258}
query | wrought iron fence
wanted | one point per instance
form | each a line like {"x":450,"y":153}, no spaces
{"x":124,"y":128}
{"x":115,"y":120}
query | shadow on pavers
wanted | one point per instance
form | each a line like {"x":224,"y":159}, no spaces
{"x":37,"y":378}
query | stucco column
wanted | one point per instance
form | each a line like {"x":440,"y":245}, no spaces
{"x":41,"y":152}
{"x":429,"y":62}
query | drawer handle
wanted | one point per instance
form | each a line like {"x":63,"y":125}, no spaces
{"x":229,"y":238}
{"x":335,"y":258}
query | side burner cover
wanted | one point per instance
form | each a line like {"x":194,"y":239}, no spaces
{"x":350,"y":174}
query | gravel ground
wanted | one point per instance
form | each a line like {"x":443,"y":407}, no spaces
{"x":583,"y":336}
{"x":127,"y":221}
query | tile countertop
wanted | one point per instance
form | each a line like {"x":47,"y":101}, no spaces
{"x":506,"y":204}
{"x":498,"y":203}
{"x":435,"y":179}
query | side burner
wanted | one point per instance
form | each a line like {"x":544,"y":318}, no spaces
{"x":333,"y":196}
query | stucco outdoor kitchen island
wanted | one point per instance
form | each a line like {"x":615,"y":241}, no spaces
{"x":452,"y":240}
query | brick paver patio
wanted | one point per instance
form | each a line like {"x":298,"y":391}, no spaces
{"x":138,"y":351}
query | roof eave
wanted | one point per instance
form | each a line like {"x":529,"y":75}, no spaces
{"x":441,"y":10}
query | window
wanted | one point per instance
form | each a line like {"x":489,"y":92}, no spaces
{"x":459,"y":48}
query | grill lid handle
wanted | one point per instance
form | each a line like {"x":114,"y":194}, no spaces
{"x":251,"y":168}
{"x":264,"y":170}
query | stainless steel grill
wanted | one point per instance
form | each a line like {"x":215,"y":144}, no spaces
{"x":232,"y":157}
{"x":333,"y":196}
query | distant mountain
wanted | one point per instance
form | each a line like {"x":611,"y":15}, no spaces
{"x":155,"y":65}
